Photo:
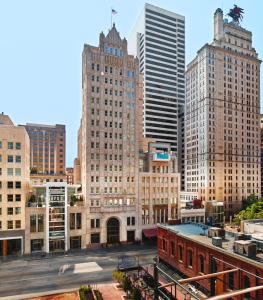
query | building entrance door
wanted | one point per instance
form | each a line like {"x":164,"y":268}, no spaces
{"x":56,"y":245}
{"x":113,"y":231}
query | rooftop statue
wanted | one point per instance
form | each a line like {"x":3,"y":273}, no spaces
{"x":236,"y":14}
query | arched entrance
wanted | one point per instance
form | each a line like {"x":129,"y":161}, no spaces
{"x":113,"y":231}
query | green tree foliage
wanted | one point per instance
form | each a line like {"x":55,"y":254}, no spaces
{"x":252,"y":211}
{"x":126,"y":284}
{"x":250,"y":200}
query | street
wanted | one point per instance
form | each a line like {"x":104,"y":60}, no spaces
{"x":24,"y":276}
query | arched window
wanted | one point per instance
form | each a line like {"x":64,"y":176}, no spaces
{"x":201,"y":264}
{"x":190,"y":258}
{"x":181,"y":253}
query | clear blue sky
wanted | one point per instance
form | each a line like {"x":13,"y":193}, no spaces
{"x":41,"y":43}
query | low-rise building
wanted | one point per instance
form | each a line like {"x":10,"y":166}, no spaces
{"x":14,"y":186}
{"x":192,"y":250}
{"x":55,"y":219}
{"x":159,"y":185}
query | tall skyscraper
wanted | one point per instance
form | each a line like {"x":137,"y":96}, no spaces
{"x":47,"y":148}
{"x":14,"y":186}
{"x":109,"y":140}
{"x":222,"y":117}
{"x":158,"y":40}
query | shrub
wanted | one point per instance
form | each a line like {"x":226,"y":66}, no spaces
{"x":84,"y":291}
{"x":118,"y":276}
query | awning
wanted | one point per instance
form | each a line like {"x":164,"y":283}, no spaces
{"x":150,"y":233}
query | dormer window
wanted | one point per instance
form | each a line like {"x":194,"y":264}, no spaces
{"x":116,"y":52}
{"x":120,"y":52}
{"x":111,"y":51}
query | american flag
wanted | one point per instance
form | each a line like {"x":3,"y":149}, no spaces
{"x":113,"y":11}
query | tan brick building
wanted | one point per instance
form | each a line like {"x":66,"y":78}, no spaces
{"x":222,"y":117}
{"x":14,"y":185}
{"x":109,"y":140}
{"x":47,"y":148}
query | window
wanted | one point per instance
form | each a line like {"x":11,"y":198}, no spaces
{"x":18,"y":172}
{"x":0,"y":211}
{"x":18,"y":158}
{"x":10,"y":198}
{"x":172,"y":248}
{"x":10,"y":184}
{"x":95,"y":238}
{"x":18,"y":210}
{"x":75,"y":221}
{"x":95,"y":223}
{"x":0,"y":144}
{"x":18,"y":224}
{"x":33,"y":223}
{"x":40,"y":223}
{"x":18,"y":197}
{"x":10,"y":210}
{"x":37,"y":245}
{"x":190,"y":258}
{"x":18,"y":184}
{"x":10,"y":171}
{"x":180,"y":253}
{"x":163,"y":245}
{"x":0,"y":197}
{"x":75,"y":242}
{"x":0,"y":225}
{"x":18,"y":146}
{"x":10,"y":145}
{"x":10,"y":158}
{"x":9,"y":224}
{"x":201,"y":264}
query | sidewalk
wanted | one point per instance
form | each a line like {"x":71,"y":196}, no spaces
{"x":110,"y":292}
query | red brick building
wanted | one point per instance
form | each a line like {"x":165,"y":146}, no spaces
{"x":187,"y":249}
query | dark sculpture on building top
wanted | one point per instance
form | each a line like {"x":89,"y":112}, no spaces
{"x":236,"y":14}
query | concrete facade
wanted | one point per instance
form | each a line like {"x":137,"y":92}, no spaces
{"x":222,"y":118}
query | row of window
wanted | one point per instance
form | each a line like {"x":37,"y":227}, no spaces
{"x":12,"y":158}
{"x":11,"y":171}
{"x":11,"y":184}
{"x":113,"y":51}
{"x":11,"y":145}
{"x":130,"y":74}
{"x":12,"y":224}
{"x":11,"y":197}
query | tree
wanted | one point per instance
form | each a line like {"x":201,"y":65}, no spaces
{"x":126,"y":284}
{"x":253,"y":211}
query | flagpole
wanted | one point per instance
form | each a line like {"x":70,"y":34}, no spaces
{"x":110,"y":17}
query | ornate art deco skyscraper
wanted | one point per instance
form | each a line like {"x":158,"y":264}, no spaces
{"x":222,"y":117}
{"x":109,"y":140}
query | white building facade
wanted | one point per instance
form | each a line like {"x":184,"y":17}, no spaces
{"x":158,"y":40}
